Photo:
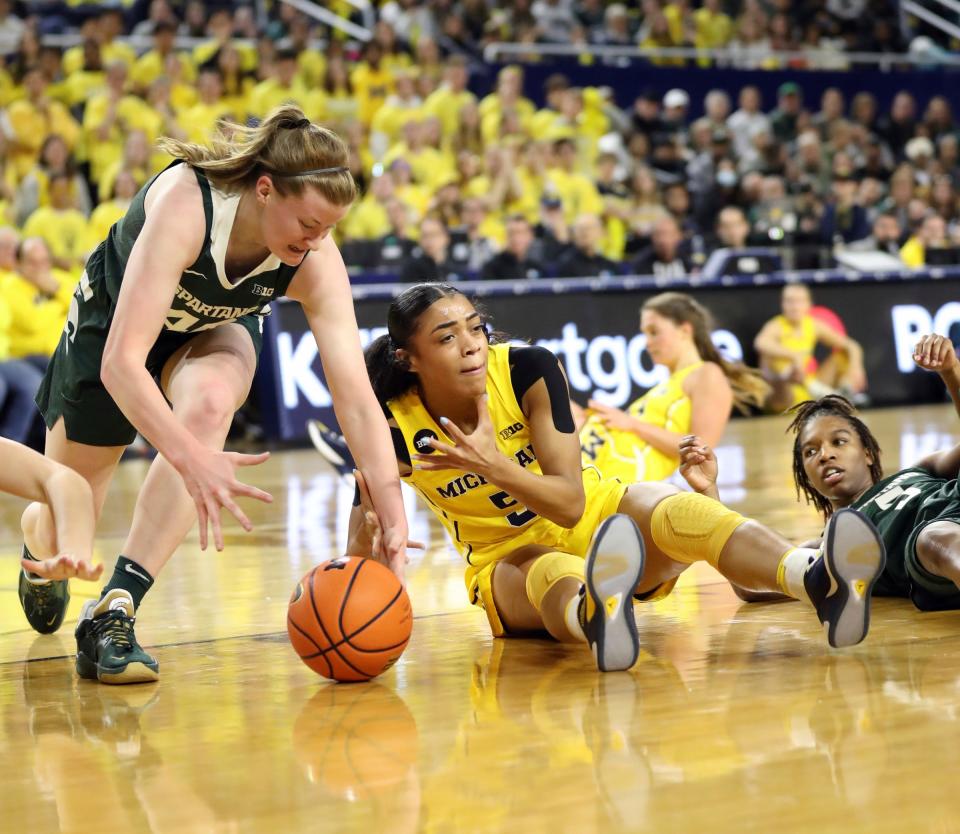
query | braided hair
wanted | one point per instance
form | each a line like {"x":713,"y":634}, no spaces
{"x":833,"y":405}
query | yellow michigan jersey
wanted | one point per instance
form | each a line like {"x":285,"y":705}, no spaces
{"x":622,"y":454}
{"x":484,"y":521}
{"x":800,"y":340}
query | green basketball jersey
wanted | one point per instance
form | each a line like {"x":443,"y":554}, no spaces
{"x":204,"y":297}
{"x":897,"y":506}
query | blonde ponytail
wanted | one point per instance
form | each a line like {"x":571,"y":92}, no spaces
{"x":286,"y":146}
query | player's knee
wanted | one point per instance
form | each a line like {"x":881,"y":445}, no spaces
{"x":210,"y":408}
{"x":938,"y":548}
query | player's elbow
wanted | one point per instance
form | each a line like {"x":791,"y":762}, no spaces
{"x":571,"y":512}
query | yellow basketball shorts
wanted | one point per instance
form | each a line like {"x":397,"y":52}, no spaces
{"x":603,"y":499}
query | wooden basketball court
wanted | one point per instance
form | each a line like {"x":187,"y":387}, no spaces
{"x":737,"y":718}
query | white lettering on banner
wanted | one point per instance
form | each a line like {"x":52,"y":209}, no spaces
{"x":296,"y":374}
{"x":611,"y":365}
{"x":296,"y":367}
{"x":606,"y":367}
{"x":911,"y":321}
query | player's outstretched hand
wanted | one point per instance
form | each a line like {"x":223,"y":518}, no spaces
{"x":611,"y":417}
{"x":63,"y":566}
{"x":388,"y":548}
{"x":698,"y":463}
{"x":211,"y":481}
{"x":935,"y":353}
{"x":476,"y":452}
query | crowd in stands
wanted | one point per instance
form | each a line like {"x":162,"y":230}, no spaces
{"x":457,"y":184}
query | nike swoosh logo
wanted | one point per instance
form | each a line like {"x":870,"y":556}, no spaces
{"x":135,"y":572}
{"x":52,"y":620}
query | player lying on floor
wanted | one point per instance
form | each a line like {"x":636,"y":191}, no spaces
{"x":836,"y":465}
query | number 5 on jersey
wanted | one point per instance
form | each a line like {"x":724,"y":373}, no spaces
{"x":503,"y":501}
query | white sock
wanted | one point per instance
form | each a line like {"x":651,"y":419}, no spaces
{"x":572,"y":620}
{"x":793,"y":567}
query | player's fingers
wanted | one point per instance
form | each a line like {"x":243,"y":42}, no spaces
{"x":203,"y":521}
{"x":213,"y":514}
{"x":234,"y":509}
{"x":241,"y":459}
{"x":240,"y":488}
{"x":452,"y":430}
{"x":414,"y":545}
{"x":88,"y":572}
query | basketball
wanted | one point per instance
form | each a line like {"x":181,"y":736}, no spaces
{"x":349,"y":619}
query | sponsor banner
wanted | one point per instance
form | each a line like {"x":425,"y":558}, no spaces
{"x":595,"y":334}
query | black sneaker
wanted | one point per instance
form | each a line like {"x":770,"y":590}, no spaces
{"x":332,"y":448}
{"x":840,"y":583}
{"x":107,"y":648}
{"x":613,"y":570}
{"x":44,"y":601}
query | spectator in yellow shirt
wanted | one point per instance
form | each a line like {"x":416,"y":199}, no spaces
{"x":151,"y":65}
{"x":34,"y":190}
{"x":402,"y":104}
{"x":372,"y":82}
{"x":429,"y":165}
{"x":111,"y":210}
{"x":34,"y":118}
{"x":200,"y":121}
{"x":931,"y":234}
{"x":368,"y":219}
{"x":508,"y":97}
{"x":311,"y":63}
{"x":713,"y":28}
{"x":77,"y":86}
{"x":237,"y":80}
{"x":61,"y":225}
{"x":340,"y":105}
{"x":577,"y":192}
{"x":39,"y":297}
{"x":104,"y":29}
{"x":109,"y":115}
{"x":448,"y":101}
{"x":282,"y":86}
{"x":136,"y":159}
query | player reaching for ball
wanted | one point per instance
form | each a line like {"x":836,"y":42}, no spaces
{"x":484,"y":433}
{"x":836,"y":465}
{"x":163,"y":337}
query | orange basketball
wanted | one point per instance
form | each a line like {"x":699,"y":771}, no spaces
{"x":349,"y":619}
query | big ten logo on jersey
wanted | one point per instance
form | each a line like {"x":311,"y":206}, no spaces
{"x":510,"y":431}
{"x":608,"y":367}
{"x":261,"y":290}
{"x":911,"y":321}
{"x":421,"y":441}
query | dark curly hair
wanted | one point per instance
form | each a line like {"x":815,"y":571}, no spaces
{"x":833,"y":405}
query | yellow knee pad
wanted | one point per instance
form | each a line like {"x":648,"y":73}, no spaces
{"x":690,"y":528}
{"x":547,"y":571}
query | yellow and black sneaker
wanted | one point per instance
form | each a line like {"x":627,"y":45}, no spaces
{"x":613,"y":570}
{"x":107,"y":648}
{"x":840,"y":583}
{"x":44,"y":601}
